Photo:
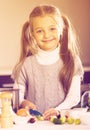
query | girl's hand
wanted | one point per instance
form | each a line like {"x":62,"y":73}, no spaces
{"x":50,"y":112}
{"x":28,"y":105}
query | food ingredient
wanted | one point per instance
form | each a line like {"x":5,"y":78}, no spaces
{"x":56,"y":120}
{"x":22,"y":112}
{"x":31,"y":120}
{"x":62,"y":119}
{"x":70,"y":120}
{"x":65,"y":119}
{"x":77,"y":121}
{"x":39,"y":117}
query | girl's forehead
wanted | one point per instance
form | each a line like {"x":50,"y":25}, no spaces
{"x":40,"y":20}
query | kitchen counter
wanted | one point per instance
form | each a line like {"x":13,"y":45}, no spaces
{"x":46,"y":125}
{"x":21,"y":122}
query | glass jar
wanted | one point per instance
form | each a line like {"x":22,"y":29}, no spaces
{"x":85,"y":100}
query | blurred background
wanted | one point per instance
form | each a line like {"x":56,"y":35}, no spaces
{"x":13,"y":13}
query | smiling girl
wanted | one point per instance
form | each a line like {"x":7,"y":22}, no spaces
{"x":49,"y":70}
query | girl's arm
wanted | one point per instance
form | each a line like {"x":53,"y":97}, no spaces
{"x":73,"y":96}
{"x":72,"y":99}
{"x":21,"y":91}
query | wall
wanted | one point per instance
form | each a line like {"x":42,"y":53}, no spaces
{"x":13,"y":13}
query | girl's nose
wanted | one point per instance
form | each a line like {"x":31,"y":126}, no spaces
{"x":46,"y":34}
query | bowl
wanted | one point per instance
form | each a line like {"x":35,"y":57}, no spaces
{"x":76,"y":112}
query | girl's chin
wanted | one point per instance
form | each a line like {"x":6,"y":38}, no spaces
{"x":48,"y":48}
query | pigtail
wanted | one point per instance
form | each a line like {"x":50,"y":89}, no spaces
{"x":28,"y":43}
{"x":28,"y":47}
{"x":67,"y":57}
{"x":25,"y":51}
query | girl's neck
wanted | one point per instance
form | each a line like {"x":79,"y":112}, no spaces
{"x":48,"y":57}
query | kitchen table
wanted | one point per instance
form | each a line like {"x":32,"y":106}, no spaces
{"x":47,"y":125}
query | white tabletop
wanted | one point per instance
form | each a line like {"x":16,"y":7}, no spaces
{"x":46,"y":125}
{"x":21,"y":123}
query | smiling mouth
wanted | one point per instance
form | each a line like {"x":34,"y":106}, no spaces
{"x":47,"y":40}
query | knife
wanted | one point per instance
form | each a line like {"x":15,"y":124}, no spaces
{"x":35,"y":112}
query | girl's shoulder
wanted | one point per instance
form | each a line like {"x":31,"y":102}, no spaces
{"x":29,"y":59}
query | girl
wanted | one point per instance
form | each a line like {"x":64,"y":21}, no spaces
{"x":49,"y":70}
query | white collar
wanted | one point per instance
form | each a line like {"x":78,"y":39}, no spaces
{"x":48,"y":57}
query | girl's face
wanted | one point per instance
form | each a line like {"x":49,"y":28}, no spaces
{"x":46,"y":32}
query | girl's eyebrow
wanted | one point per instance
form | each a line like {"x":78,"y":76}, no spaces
{"x":38,"y":28}
{"x":41,"y":27}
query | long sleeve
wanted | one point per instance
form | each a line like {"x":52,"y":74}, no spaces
{"x":21,"y":91}
{"x":73,"y":97}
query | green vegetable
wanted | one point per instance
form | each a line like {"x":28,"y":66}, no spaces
{"x":62,"y":119}
{"x":41,"y":118}
{"x":70,"y":120}
{"x":77,"y":121}
{"x":56,"y":121}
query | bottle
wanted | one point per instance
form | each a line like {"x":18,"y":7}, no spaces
{"x":6,"y":116}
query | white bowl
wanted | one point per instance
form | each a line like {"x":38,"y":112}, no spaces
{"x":85,"y":118}
{"x":80,"y":109}
{"x":21,"y":119}
{"x":76,"y":112}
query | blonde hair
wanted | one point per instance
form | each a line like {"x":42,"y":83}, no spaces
{"x":67,"y":40}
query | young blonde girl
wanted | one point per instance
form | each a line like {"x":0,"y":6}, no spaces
{"x":49,"y":70}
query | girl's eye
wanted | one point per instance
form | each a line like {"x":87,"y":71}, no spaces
{"x":39,"y":31}
{"x":52,"y":29}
